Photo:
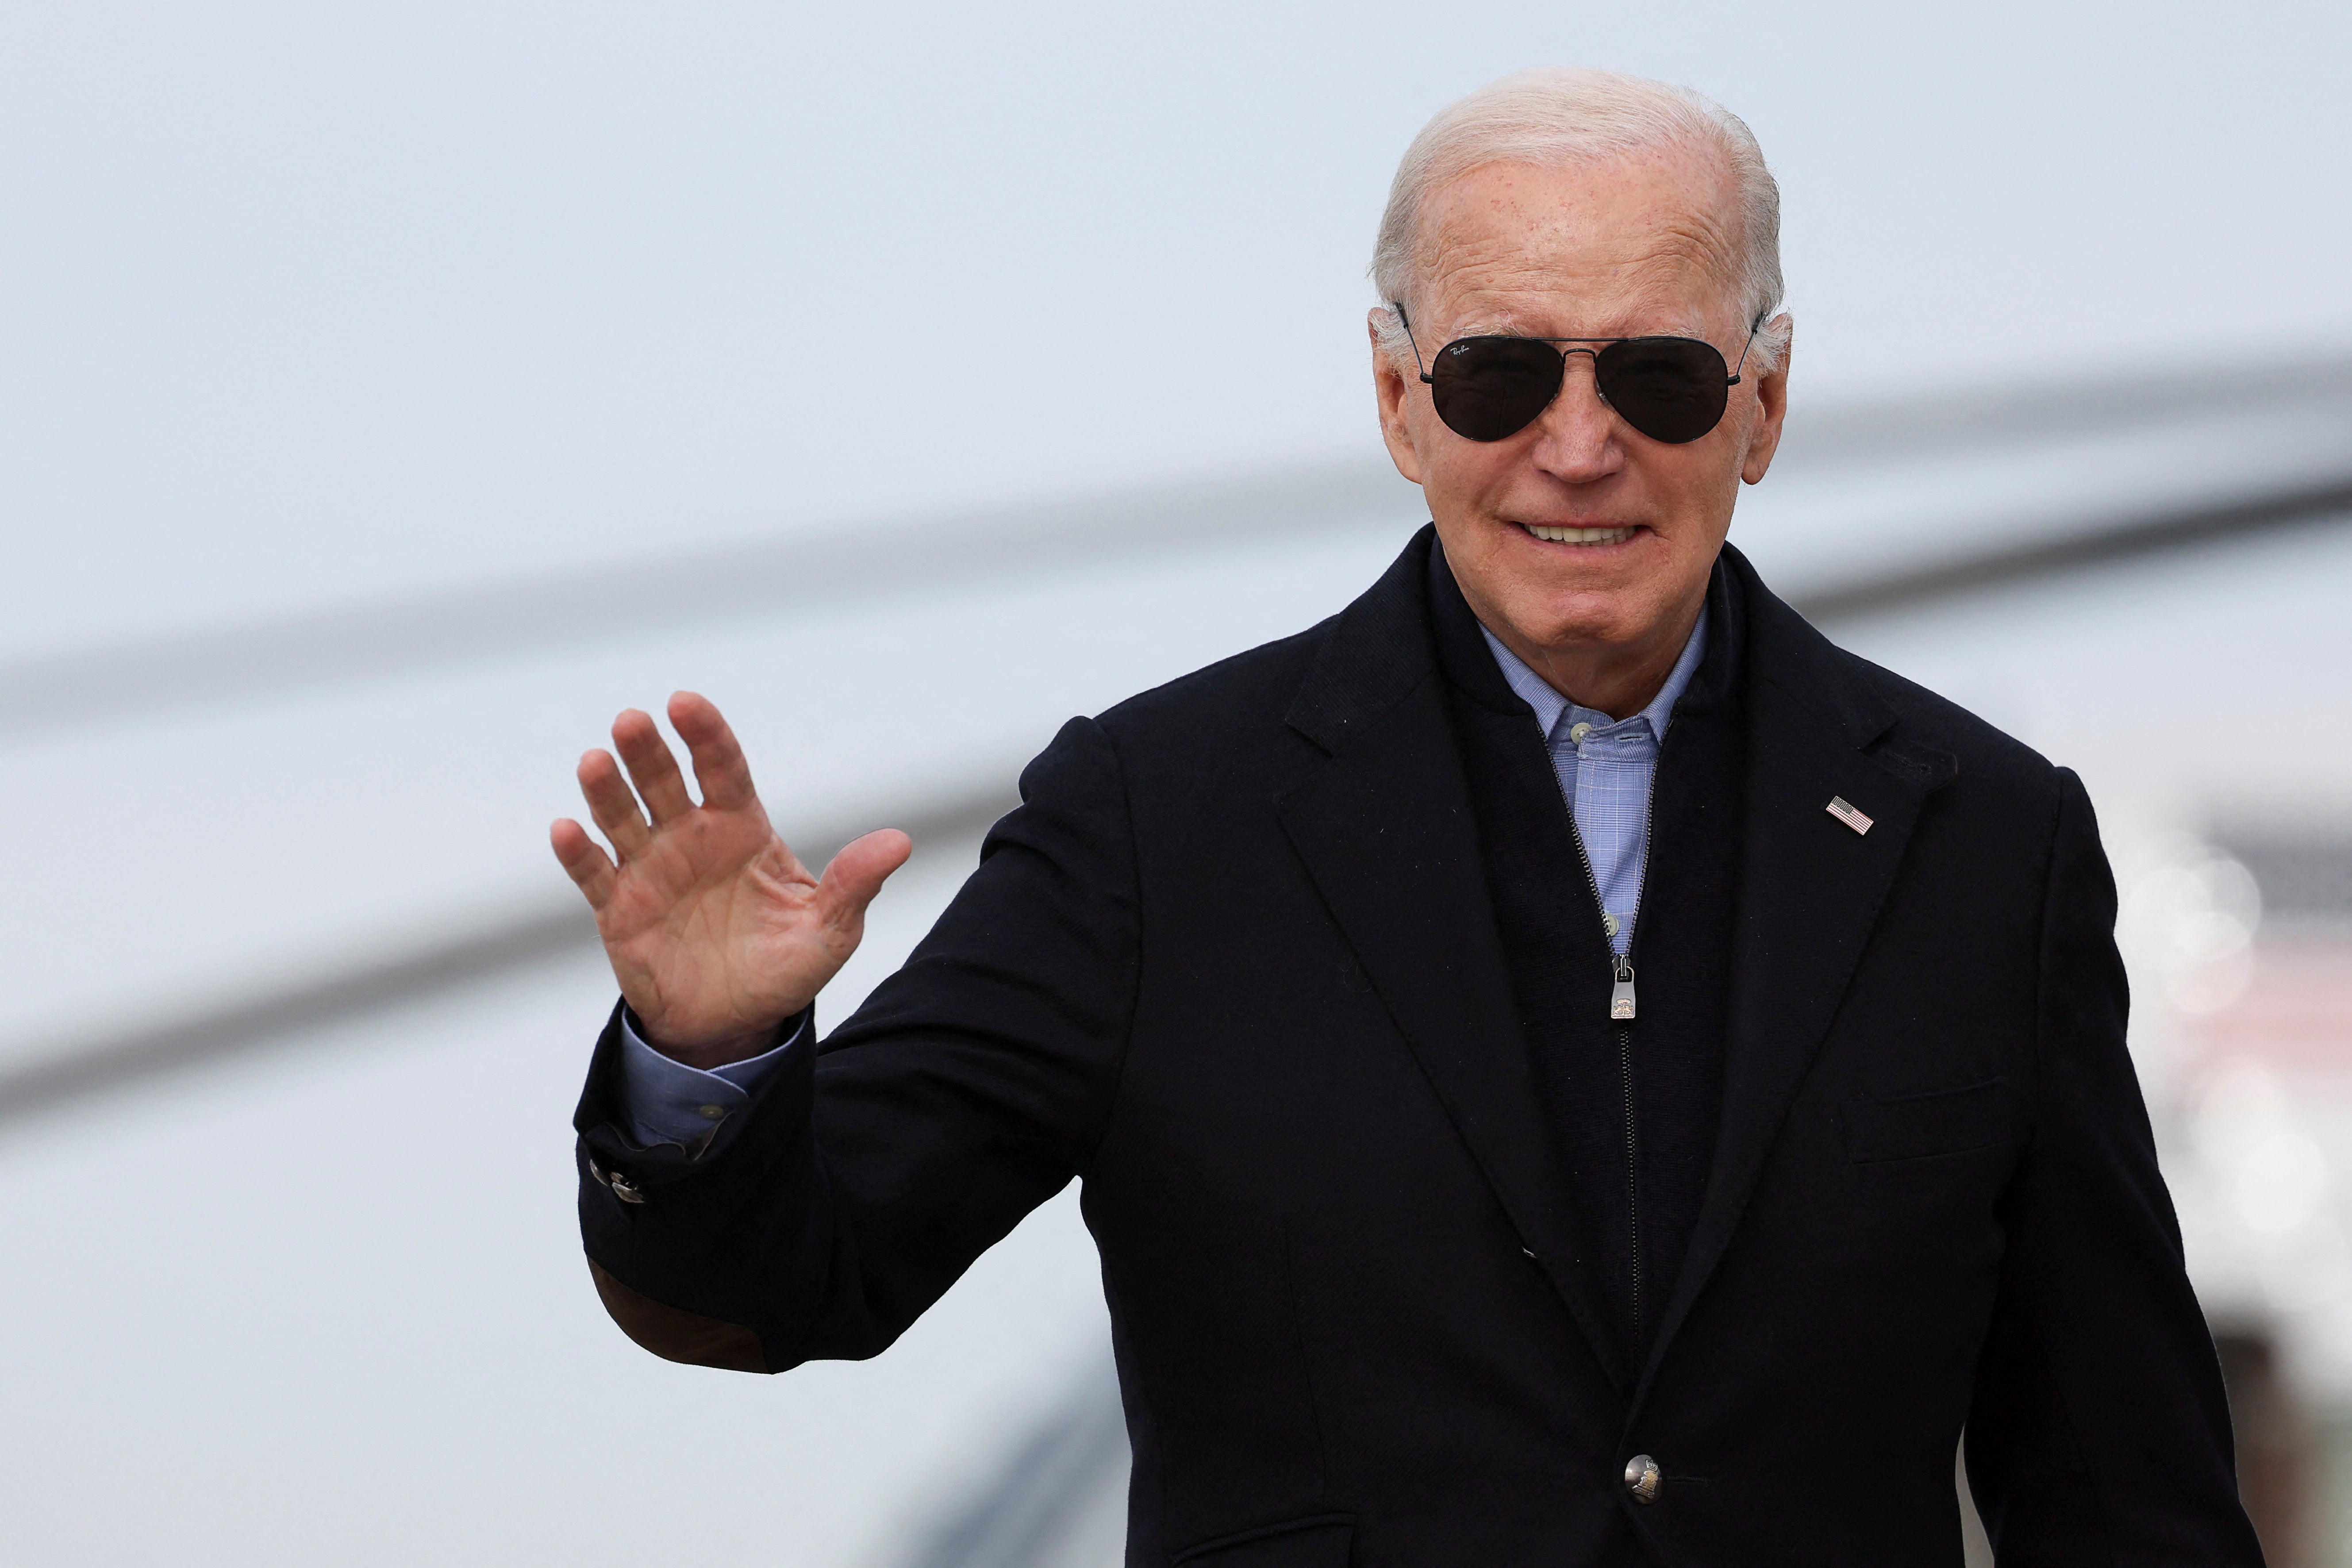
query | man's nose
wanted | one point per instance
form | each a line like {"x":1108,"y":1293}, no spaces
{"x":1577,"y":433}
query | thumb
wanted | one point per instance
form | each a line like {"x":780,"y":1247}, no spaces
{"x":857,"y":873}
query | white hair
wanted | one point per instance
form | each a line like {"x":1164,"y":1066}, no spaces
{"x":1564,"y":115}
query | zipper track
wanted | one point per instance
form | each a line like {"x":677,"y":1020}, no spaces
{"x":1623,"y":969}
{"x":1633,"y":1169}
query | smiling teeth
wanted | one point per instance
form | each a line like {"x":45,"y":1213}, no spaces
{"x":1580,"y":535}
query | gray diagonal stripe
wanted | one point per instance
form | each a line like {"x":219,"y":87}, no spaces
{"x":880,"y":560}
{"x":561,"y":925}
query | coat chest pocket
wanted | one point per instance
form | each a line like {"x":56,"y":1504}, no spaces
{"x":1321,"y":1541}
{"x":1916,"y":1126}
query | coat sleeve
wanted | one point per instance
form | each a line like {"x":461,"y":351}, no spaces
{"x":2099,"y":1432}
{"x":971,"y":1087}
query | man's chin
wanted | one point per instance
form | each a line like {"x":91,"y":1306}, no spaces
{"x":1599,"y":585}
{"x":1581,"y":618}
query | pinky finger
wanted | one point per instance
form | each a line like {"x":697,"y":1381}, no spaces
{"x":583,"y":861}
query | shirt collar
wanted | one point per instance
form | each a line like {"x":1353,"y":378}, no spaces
{"x":1552,"y":707}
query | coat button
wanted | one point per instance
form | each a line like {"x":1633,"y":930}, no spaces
{"x":623,"y":1188}
{"x":1641,"y":1478}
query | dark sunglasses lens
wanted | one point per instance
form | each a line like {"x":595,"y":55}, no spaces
{"x":1670,"y":389}
{"x":1488,"y":388}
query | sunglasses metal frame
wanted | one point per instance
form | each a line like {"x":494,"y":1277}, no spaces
{"x":1420,"y":364}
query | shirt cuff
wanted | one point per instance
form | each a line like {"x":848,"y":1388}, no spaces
{"x":668,"y":1101}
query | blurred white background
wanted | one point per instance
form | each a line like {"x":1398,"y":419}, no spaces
{"x":310,"y":315}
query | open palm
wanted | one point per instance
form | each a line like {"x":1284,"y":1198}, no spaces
{"x":716,"y":930}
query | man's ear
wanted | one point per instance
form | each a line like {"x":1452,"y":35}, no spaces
{"x":1391,"y":387}
{"x":1771,"y":408}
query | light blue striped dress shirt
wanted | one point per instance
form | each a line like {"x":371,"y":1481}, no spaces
{"x":1604,"y":766}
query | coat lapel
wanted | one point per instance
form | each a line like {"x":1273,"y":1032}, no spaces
{"x":1386,"y":829}
{"x":1810,"y":889}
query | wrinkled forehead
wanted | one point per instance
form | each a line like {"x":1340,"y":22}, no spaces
{"x":1637,"y":243}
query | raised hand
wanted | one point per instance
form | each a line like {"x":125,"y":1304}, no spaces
{"x":716,"y":930}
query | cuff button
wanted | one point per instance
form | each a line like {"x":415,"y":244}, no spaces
{"x":623,"y":1188}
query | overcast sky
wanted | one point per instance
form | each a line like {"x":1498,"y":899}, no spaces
{"x":301,"y":304}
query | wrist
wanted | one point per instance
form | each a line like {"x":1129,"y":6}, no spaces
{"x":710,"y":1054}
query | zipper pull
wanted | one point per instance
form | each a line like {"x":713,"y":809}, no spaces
{"x":1621,"y":995}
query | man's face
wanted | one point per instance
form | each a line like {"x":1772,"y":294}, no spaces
{"x":1628,"y":248}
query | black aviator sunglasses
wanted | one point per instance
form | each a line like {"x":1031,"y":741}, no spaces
{"x":1670,"y":389}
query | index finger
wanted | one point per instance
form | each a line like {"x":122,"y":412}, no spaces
{"x":718,"y":766}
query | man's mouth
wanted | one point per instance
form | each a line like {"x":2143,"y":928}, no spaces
{"x":1581,"y":535}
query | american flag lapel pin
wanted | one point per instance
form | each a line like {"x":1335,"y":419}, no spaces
{"x":1846,"y":813}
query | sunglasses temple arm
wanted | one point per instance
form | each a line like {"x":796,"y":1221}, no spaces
{"x":1753,"y":327}
{"x":1398,"y":306}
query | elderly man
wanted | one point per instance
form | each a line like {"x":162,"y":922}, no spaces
{"x":1565,"y":1065}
